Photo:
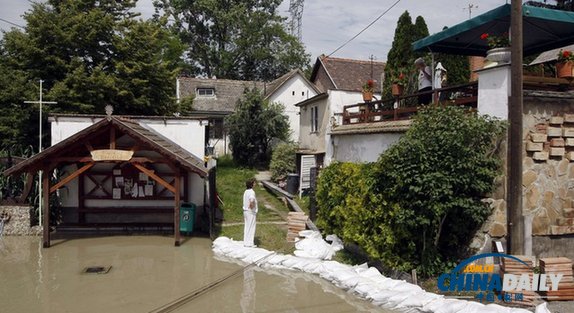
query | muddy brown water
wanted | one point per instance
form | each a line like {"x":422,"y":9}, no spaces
{"x":148,"y":272}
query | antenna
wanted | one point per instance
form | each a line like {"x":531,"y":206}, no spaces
{"x":470,"y":8}
{"x":296,"y":22}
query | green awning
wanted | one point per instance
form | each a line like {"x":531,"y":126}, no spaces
{"x":544,"y":29}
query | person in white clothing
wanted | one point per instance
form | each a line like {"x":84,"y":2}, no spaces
{"x":425,"y":81}
{"x":249,"y":213}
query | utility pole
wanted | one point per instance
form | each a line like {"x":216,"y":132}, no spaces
{"x":515,"y":240}
{"x":469,"y":8}
{"x":40,"y":102}
{"x":372,"y":58}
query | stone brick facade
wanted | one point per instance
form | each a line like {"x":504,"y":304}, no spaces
{"x":19,"y":223}
{"x":548,"y":172}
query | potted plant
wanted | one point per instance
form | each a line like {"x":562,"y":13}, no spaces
{"x":398,"y":84}
{"x":368,"y":90}
{"x":565,"y":65}
{"x":499,"y":47}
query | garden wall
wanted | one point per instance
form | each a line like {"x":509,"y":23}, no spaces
{"x":548,"y":176}
{"x":19,"y":223}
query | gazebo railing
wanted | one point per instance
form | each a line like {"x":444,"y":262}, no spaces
{"x":404,"y":107}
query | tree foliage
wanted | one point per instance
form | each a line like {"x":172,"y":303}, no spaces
{"x":89,"y":54}
{"x":253,"y":126}
{"x":233,"y":39}
{"x":283,"y":160}
{"x":420,"y":203}
{"x":401,"y":56}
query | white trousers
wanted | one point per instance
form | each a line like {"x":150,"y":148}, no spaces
{"x":249,"y":228}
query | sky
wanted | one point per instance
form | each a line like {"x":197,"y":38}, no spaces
{"x":329,"y":23}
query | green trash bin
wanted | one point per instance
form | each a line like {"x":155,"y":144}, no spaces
{"x":187,"y":217}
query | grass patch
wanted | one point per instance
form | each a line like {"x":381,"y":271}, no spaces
{"x":303,"y":203}
{"x":270,"y":237}
{"x":230,"y":186}
{"x":349,"y":258}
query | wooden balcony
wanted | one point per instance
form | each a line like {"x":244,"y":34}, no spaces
{"x":404,"y":107}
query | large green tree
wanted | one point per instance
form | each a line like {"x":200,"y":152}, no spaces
{"x":234,"y":39}
{"x":401,"y":56}
{"x":253,"y":126}
{"x":90,"y":54}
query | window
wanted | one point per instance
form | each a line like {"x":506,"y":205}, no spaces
{"x":314,"y":119}
{"x":216,"y":129}
{"x":205,"y":92}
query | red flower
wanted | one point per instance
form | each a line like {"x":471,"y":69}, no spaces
{"x":371,"y":83}
{"x":566,"y":54}
{"x":484,"y":36}
{"x":401,"y":76}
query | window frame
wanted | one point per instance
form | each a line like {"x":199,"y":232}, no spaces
{"x":199,"y":89}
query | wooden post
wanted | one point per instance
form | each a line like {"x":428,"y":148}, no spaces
{"x":176,"y":208}
{"x":46,"y":207}
{"x":515,"y":145}
{"x":112,"y":138}
{"x":515,"y":238}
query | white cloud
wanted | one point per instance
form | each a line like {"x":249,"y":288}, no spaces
{"x":328,"y":24}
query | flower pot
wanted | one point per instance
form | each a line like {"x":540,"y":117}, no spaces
{"x":565,"y":69}
{"x":367,"y":96}
{"x":500,"y":55}
{"x":397,"y":89}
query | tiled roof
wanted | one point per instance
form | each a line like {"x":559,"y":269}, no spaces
{"x":165,"y":147}
{"x":227,"y":92}
{"x":348,"y":74}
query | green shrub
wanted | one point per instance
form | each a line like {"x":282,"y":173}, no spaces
{"x":283,"y":161}
{"x":420,"y":203}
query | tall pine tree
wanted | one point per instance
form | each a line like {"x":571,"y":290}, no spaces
{"x":401,"y":56}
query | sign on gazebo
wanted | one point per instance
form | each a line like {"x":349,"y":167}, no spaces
{"x":111,"y":155}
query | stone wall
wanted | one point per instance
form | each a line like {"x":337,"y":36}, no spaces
{"x":19,"y":223}
{"x":548,"y":171}
{"x":548,"y":177}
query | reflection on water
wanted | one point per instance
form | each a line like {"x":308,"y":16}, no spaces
{"x":148,"y":272}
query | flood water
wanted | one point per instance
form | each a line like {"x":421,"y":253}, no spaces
{"x":147,"y":273}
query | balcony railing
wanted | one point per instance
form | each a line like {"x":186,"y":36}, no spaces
{"x":404,"y":107}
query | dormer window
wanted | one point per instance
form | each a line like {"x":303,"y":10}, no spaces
{"x":205,"y":92}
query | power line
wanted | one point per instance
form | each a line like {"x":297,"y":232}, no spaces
{"x":364,"y":29}
{"x":14,"y":24}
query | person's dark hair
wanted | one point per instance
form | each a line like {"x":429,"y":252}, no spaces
{"x":249,"y":183}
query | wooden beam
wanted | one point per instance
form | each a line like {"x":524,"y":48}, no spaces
{"x":46,"y":207}
{"x":89,"y":146}
{"x":176,"y":210}
{"x":85,"y":159}
{"x":155,"y":177}
{"x":70,"y":177}
{"x":112,"y":138}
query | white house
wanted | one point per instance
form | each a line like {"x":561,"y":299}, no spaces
{"x":289,"y":90}
{"x":214,"y":99}
{"x":340,"y":82}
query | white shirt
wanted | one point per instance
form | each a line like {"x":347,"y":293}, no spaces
{"x":425,"y":81}
{"x":248,"y":196}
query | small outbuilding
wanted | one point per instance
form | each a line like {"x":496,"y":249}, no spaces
{"x":120,"y":172}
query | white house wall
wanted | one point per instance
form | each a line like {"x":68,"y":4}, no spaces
{"x":362,"y":148}
{"x":309,"y":140}
{"x":336,"y":101}
{"x":293,"y":91}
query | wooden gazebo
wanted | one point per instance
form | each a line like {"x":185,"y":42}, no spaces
{"x":118,"y":142}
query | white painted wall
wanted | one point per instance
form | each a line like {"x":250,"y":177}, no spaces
{"x":494,"y":90}
{"x":336,"y":101}
{"x":189,"y":134}
{"x":362,"y":148}
{"x":293,"y":91}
